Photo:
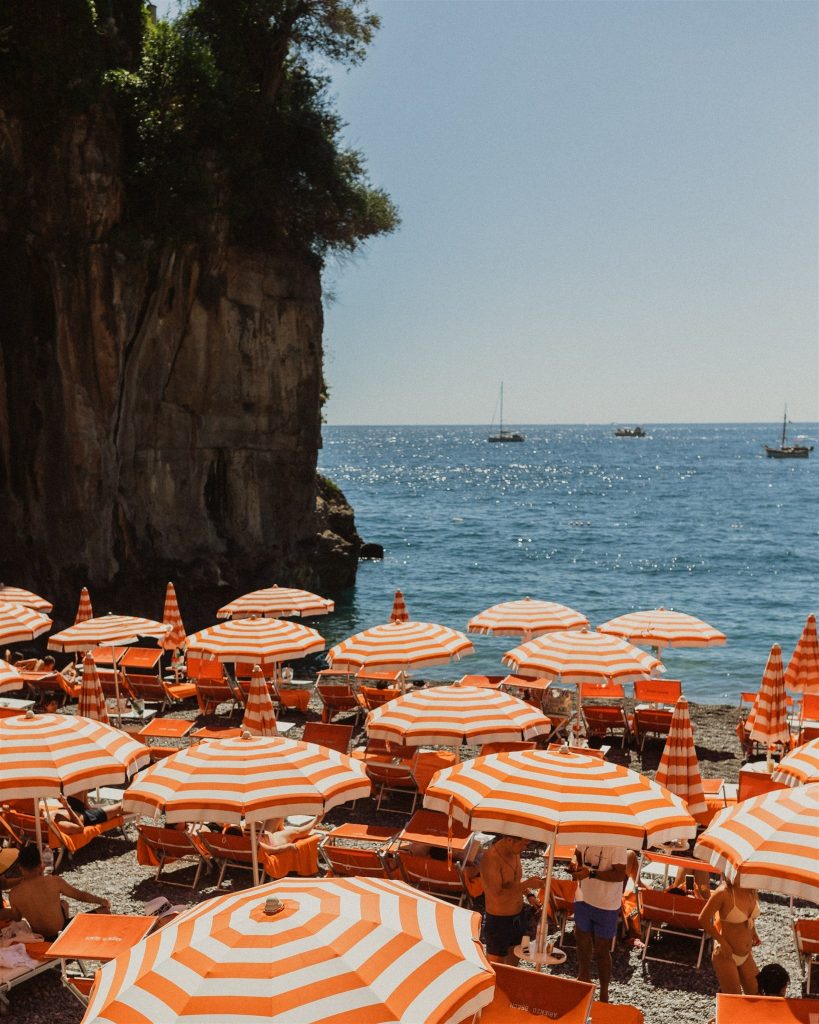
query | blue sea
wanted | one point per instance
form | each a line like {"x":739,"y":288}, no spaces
{"x":693,"y":517}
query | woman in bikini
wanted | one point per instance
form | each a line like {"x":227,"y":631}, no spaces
{"x":729,"y":917}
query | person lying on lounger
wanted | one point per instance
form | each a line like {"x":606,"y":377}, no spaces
{"x":76,"y":812}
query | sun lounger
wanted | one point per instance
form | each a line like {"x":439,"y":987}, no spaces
{"x":332,"y":735}
{"x":603,"y":707}
{"x":344,"y":852}
{"x":24,"y":828}
{"x":337,"y":696}
{"x":806,"y":937}
{"x":519,"y":991}
{"x":159,"y":847}
{"x":765,"y":1010}
{"x":14,"y":975}
{"x":666,"y":913}
{"x":616,"y":1013}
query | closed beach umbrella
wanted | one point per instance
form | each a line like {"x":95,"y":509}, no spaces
{"x":312,"y":951}
{"x":399,"y":611}
{"x":768,"y":719}
{"x":802,"y":673}
{"x":526,"y":618}
{"x":19,"y":623}
{"x":18,"y":595}
{"x":10,"y":678}
{"x":171,"y":617}
{"x":91,"y":702}
{"x":582,"y":656}
{"x":84,"y":609}
{"x":257,"y":640}
{"x":768,"y":842}
{"x":800,"y":767}
{"x":661,"y":627}
{"x":679,"y":769}
{"x":259,"y":718}
{"x":277,"y":602}
{"x":451,"y":715}
{"x":399,"y":646}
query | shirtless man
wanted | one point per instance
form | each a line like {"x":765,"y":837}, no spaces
{"x":504,"y":891}
{"x":38,"y":898}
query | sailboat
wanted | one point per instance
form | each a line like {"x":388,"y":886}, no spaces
{"x":505,"y":435}
{"x":788,"y":451}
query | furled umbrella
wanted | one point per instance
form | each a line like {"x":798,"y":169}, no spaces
{"x":247,"y":780}
{"x":399,"y":611}
{"x":260,"y":717}
{"x":316,"y":951}
{"x":661,"y":627}
{"x":278,"y":602}
{"x":84,"y":609}
{"x":526,"y":618}
{"x":769,"y":842}
{"x":452,"y":715}
{"x":19,"y":595}
{"x":802,"y":673}
{"x":19,"y":623}
{"x":91,"y":701}
{"x":10,"y":678}
{"x":767,"y":721}
{"x":172,"y":617}
{"x":399,"y":646}
{"x":800,"y":767}
{"x":679,"y":769}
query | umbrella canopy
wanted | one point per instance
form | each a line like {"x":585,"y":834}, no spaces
{"x":10,"y":678}
{"x":663,"y":628}
{"x":768,"y":842}
{"x":399,"y":611}
{"x":17,"y":595}
{"x":257,"y":640}
{"x":276,"y":602}
{"x":802,"y":673}
{"x":768,"y":719}
{"x":526,"y":618}
{"x":91,"y":703}
{"x":260,"y":717}
{"x":340,"y":950}
{"x":84,"y":609}
{"x":171,"y":617}
{"x":452,"y":715}
{"x":582,"y":656}
{"x":799,"y":767}
{"x":106,"y":630}
{"x":679,"y":769}
{"x":43,"y":755}
{"x":399,"y":646}
{"x":19,"y":623}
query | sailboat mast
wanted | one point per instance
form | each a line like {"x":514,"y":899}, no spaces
{"x":784,"y":425}
{"x":501,"y":409}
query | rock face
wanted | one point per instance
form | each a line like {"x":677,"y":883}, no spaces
{"x":159,"y":406}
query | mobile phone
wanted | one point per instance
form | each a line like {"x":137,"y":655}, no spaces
{"x":689,"y":883}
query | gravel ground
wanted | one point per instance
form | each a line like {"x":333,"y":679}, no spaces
{"x":663,"y":992}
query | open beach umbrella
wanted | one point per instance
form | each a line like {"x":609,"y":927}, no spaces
{"x":582,"y":656}
{"x":768,"y":719}
{"x":800,"y":766}
{"x":19,"y":623}
{"x":91,"y":702}
{"x":802,"y":673}
{"x":259,"y":718}
{"x":769,"y":842}
{"x":248,"y":779}
{"x":312,"y":951}
{"x":172,"y":617}
{"x":278,"y":602}
{"x":526,"y":618}
{"x":257,"y":640}
{"x":84,"y":609}
{"x":399,"y":611}
{"x":679,"y":769}
{"x":10,"y":678}
{"x":661,"y":627}
{"x":399,"y":646}
{"x":18,"y":595}
{"x":452,"y":715}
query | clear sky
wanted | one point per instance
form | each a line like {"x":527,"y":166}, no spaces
{"x":612,"y":207}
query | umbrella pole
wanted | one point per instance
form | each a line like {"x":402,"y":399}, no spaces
{"x":254,"y":853}
{"x":543,"y":925}
{"x":38,"y":827}
{"x":116,"y":693}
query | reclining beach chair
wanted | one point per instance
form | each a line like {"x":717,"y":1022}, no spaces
{"x":161,"y":846}
{"x":753,"y":784}
{"x":655,"y":700}
{"x":337,"y":696}
{"x":375,"y":697}
{"x":666,"y":913}
{"x":561,"y":903}
{"x":809,"y":718}
{"x":548,"y":996}
{"x":391,"y":775}
{"x":806,"y":937}
{"x":370,"y":861}
{"x":24,"y":826}
{"x":211,"y":684}
{"x":332,"y":735}
{"x":433,"y":875}
{"x":228,"y":851}
{"x":603,"y":707}
{"x":504,"y":746}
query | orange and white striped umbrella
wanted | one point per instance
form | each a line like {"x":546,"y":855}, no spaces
{"x":399,"y":611}
{"x":582,"y":656}
{"x":802,"y":673}
{"x":400,"y":646}
{"x":452,"y":715}
{"x":260,"y":717}
{"x":679,"y":769}
{"x":171,"y":617}
{"x":661,"y":627}
{"x":18,"y":595}
{"x":42,"y":755}
{"x":800,"y":767}
{"x":18,"y":623}
{"x":91,"y":702}
{"x":329,"y":951}
{"x":526,"y":618}
{"x":768,"y":842}
{"x":768,"y":719}
{"x":277,"y":602}
{"x":10,"y":678}
{"x":106,"y":630}
{"x":84,"y":609}
{"x":257,"y":640}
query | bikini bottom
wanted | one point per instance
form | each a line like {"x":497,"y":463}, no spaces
{"x":740,"y":960}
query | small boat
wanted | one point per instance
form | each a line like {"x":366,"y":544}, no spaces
{"x":788,"y":451}
{"x":630,"y":432}
{"x":505,"y":435}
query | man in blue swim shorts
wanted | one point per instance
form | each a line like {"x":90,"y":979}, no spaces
{"x":505,"y":889}
{"x":600,"y":872}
